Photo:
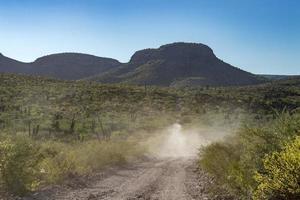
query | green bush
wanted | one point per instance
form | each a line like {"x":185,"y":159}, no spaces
{"x":235,"y":162}
{"x":223,"y":161}
{"x":281,"y":179}
{"x":19,"y":158}
{"x":210,"y":160}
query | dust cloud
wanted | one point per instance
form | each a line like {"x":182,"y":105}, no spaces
{"x":177,"y":142}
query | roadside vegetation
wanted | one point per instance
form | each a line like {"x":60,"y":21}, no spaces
{"x":261,"y":161}
{"x":27,"y":164}
{"x":52,"y":130}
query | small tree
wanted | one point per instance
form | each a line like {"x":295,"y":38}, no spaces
{"x":55,"y":125}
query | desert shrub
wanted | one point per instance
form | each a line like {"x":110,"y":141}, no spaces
{"x":223,"y":161}
{"x":236,"y":162}
{"x":27,"y":164}
{"x":62,"y":160}
{"x":19,"y":158}
{"x":281,"y":179}
{"x":213,"y":154}
{"x":258,"y":141}
{"x":58,"y":163}
{"x":95,"y":155}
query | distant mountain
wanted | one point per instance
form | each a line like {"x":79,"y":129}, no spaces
{"x":69,"y":66}
{"x":178,"y":64}
{"x":276,"y":77}
{"x":12,"y":66}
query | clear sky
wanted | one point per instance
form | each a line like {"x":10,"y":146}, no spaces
{"x":261,"y":36}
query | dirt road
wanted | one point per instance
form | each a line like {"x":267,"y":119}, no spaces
{"x":171,"y":178}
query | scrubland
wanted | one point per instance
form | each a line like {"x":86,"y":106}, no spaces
{"x":247,"y":138}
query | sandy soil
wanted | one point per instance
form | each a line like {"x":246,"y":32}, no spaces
{"x":164,"y":179}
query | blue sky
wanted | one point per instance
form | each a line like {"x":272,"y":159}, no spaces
{"x":260,"y":36}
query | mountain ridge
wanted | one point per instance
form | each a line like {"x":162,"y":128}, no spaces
{"x":69,"y":66}
{"x":174,"y":64}
{"x":178,"y":64}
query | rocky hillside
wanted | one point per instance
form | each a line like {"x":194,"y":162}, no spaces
{"x":69,"y":66}
{"x":178,"y":64}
